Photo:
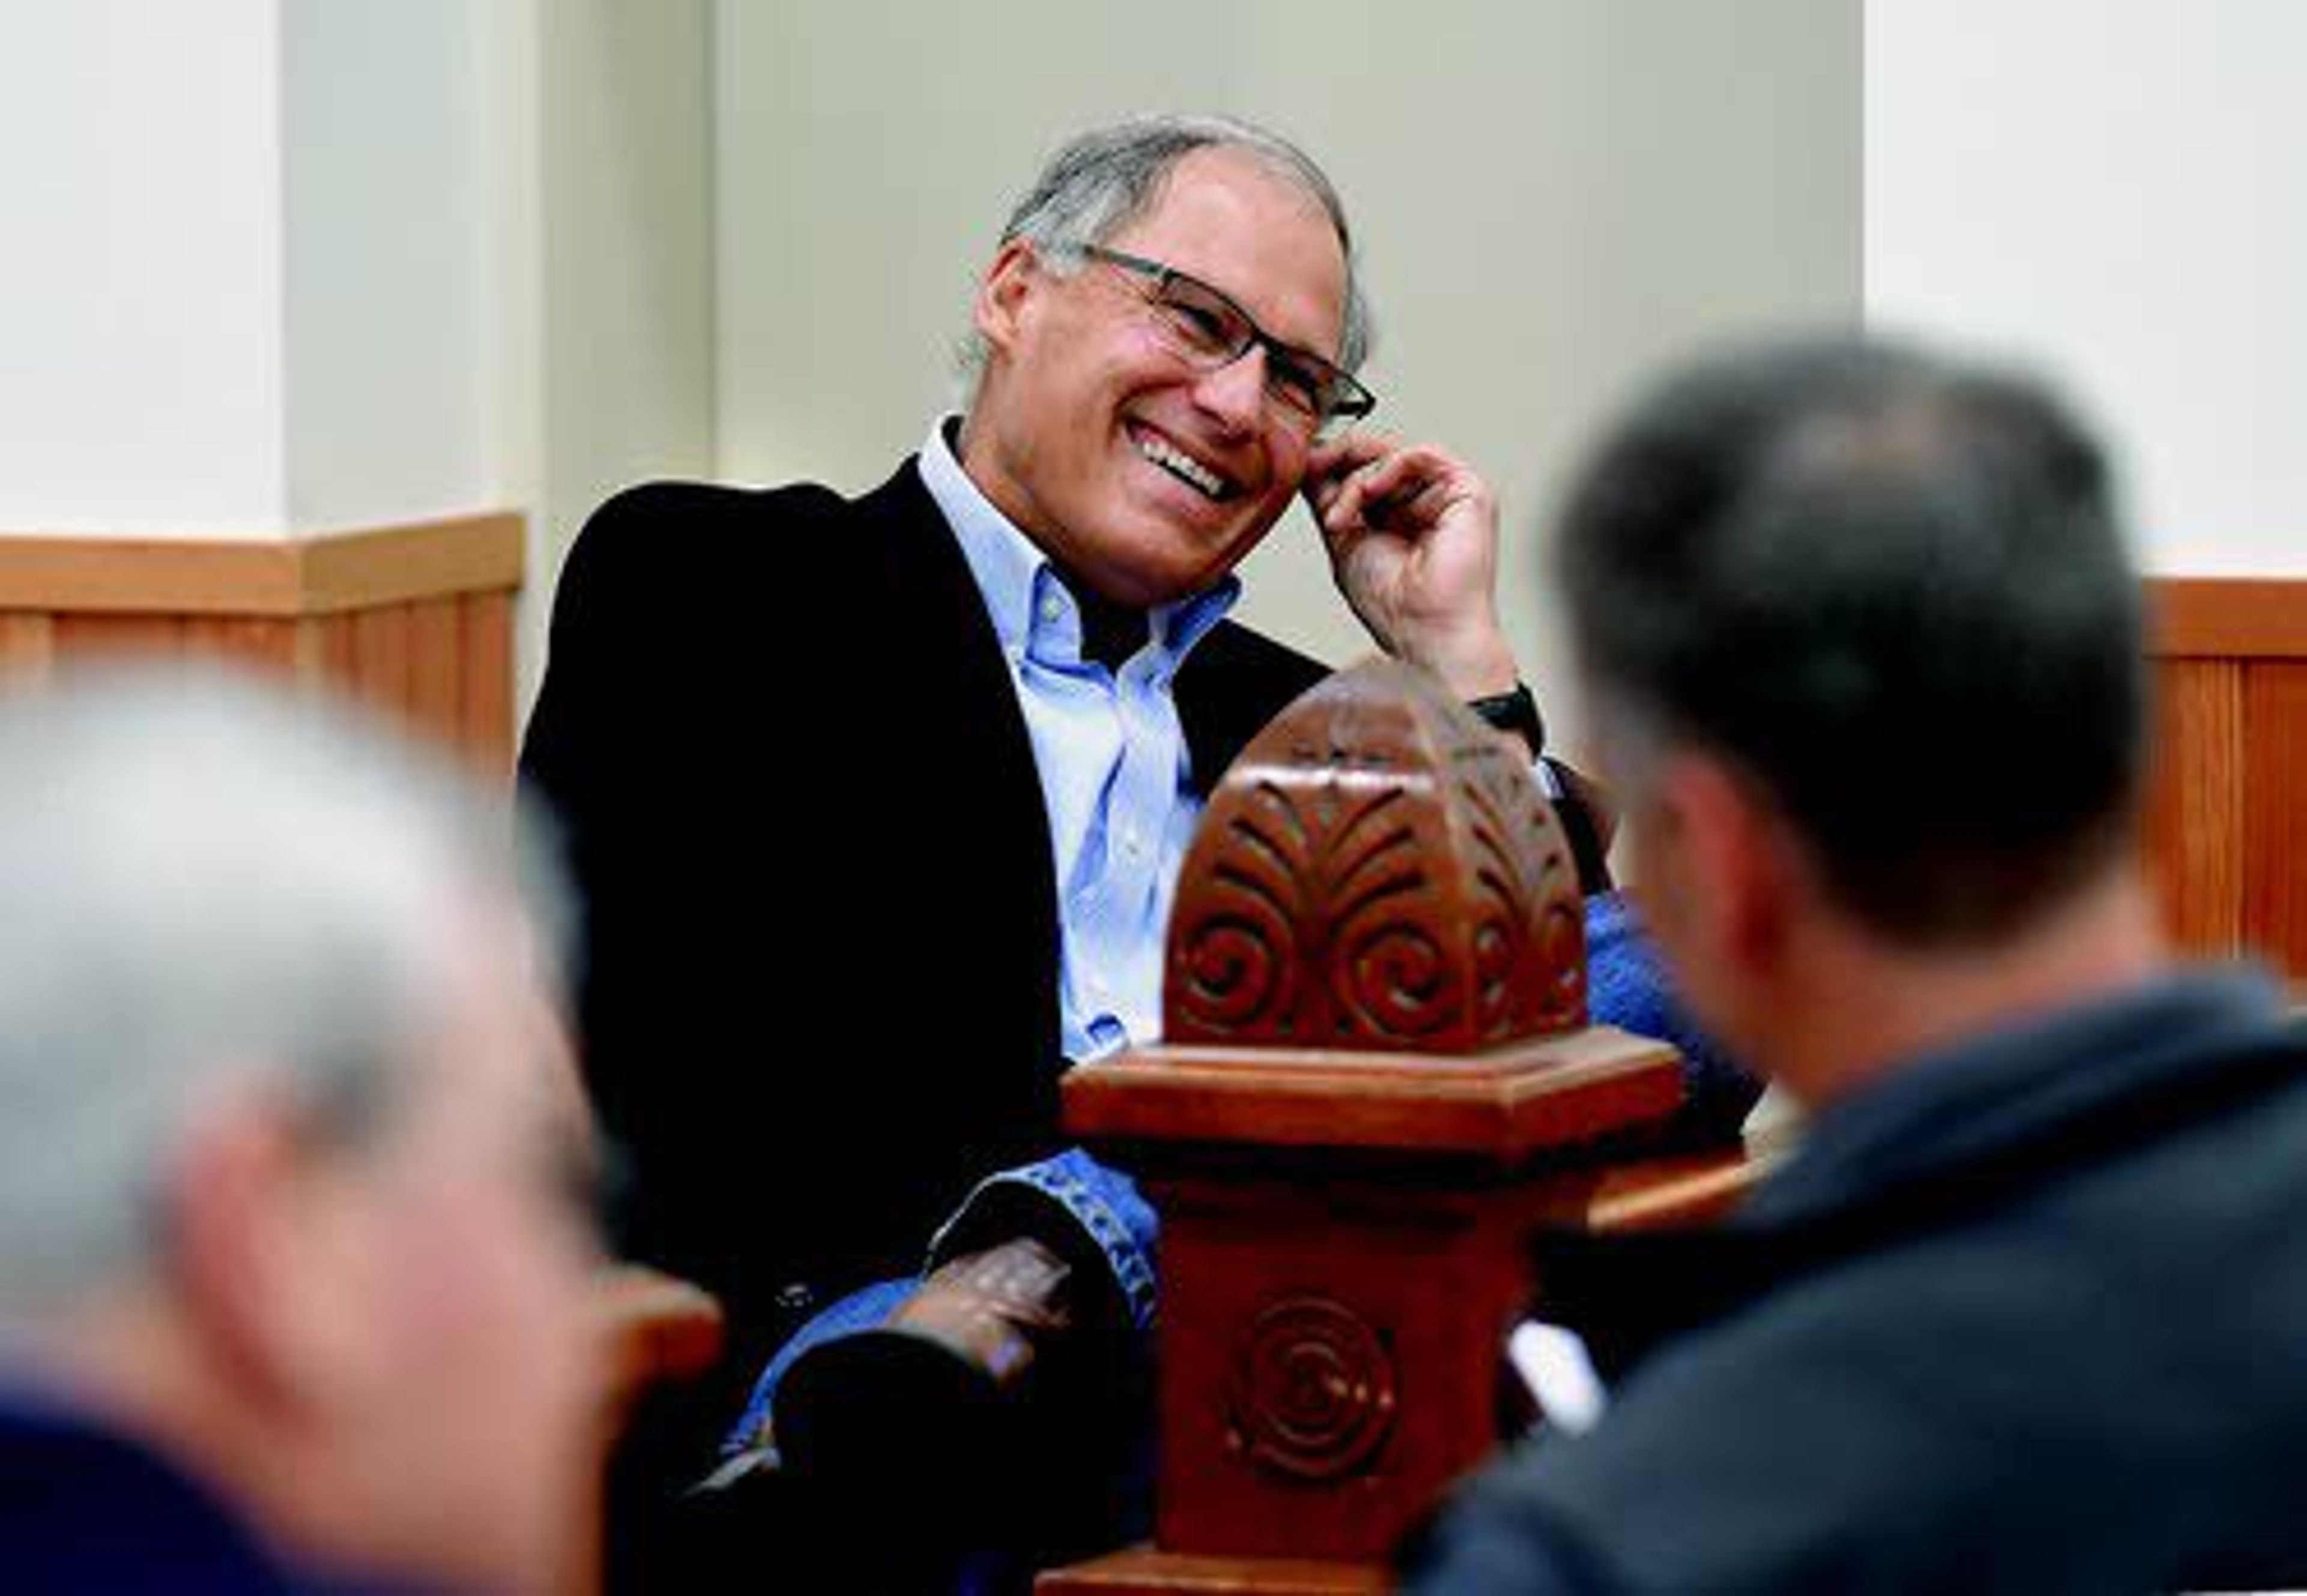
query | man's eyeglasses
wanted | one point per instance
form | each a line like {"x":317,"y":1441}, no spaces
{"x":1211,"y":332}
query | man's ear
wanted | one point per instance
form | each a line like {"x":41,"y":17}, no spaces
{"x":1734,"y":862}
{"x":262,"y":1254}
{"x":1002,"y":292}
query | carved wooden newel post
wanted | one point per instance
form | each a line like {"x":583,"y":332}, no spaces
{"x":1375,"y":1075}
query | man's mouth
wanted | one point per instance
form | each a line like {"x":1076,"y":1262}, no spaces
{"x":1182,"y":466}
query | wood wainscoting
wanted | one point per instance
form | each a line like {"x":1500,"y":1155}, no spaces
{"x":2227,"y":819}
{"x":415,"y":618}
{"x":418,"y":619}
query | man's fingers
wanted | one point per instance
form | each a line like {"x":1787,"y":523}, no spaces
{"x":1390,"y":495}
{"x":1338,"y":457}
{"x":1407,"y":506}
{"x":1359,"y":484}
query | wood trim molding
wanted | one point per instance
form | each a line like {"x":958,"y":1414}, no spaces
{"x":2225,"y":835}
{"x":325,"y":573}
{"x":2228,"y":617}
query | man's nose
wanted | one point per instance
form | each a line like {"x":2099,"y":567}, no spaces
{"x":1235,"y":392}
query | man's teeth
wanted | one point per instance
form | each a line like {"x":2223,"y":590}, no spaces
{"x":1182,"y":466}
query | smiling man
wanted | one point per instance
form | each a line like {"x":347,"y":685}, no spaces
{"x":915,"y":772}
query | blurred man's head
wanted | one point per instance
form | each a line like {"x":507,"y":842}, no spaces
{"x":1876,"y":607}
{"x":1172,"y":320}
{"x":289,"y":1149}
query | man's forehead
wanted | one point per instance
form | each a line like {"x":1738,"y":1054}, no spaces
{"x":1229,"y":218}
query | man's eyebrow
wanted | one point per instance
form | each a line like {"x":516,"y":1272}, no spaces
{"x":1267,"y":340}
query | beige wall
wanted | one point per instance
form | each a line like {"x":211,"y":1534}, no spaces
{"x":622,"y":275}
{"x":1554,"y":194}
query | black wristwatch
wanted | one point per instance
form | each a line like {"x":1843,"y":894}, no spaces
{"x":1515,"y":711}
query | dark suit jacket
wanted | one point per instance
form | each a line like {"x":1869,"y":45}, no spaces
{"x":820,"y":993}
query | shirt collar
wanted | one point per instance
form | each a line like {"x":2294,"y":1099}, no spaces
{"x":1033,"y":611}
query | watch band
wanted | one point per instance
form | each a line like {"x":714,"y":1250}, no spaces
{"x":1515,"y":711}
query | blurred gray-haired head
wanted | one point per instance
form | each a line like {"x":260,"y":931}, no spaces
{"x":1100,"y":181}
{"x":207,"y":884}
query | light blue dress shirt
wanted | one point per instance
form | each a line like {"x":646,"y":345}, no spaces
{"x":1112,"y":757}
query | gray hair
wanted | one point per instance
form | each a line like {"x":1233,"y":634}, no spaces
{"x":205,"y":885}
{"x":1102,"y":180}
{"x":1833,"y":559}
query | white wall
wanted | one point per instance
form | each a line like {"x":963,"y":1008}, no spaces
{"x":284,"y":266}
{"x":1552,"y":195}
{"x":254,"y":282}
{"x":389,"y":306}
{"x":141,"y":385}
{"x":2117,"y":189}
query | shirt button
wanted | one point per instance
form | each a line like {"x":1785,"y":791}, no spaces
{"x":1052,"y":609}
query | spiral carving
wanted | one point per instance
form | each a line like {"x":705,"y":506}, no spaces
{"x":1395,"y":982}
{"x":1312,"y":1396}
{"x":1321,"y":879}
{"x":1376,"y":872}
